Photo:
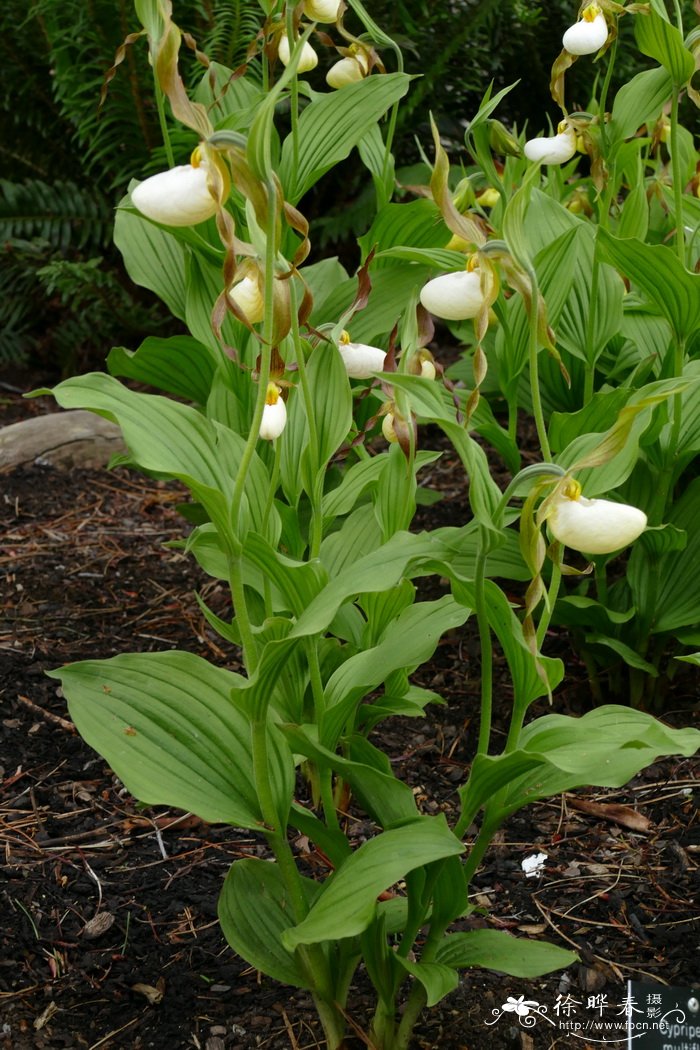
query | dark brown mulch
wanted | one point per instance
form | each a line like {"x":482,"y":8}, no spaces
{"x":110,"y":936}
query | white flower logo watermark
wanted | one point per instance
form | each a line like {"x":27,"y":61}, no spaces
{"x":520,"y":1006}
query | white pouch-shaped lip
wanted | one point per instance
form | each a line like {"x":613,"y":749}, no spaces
{"x":307,"y":60}
{"x":247,"y":296}
{"x":177,"y":197}
{"x":454,"y":296}
{"x":587,"y":36}
{"x":595,"y":526}
{"x":360,"y":360}
{"x":321,"y":10}
{"x":552,"y":149}
{"x":347,"y":71}
{"x":274,"y":417}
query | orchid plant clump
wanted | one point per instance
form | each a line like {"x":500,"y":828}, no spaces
{"x":289,"y":375}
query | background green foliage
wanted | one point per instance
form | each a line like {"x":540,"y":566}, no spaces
{"x":64,"y":163}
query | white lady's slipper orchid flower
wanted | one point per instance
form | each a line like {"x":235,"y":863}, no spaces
{"x":322,"y":10}
{"x":594,"y":526}
{"x":307,"y":60}
{"x":552,"y":149}
{"x":178,"y":197}
{"x":248,"y":298}
{"x":427,"y":369}
{"x":347,"y":71}
{"x":274,"y":417}
{"x":588,"y":34}
{"x":360,"y":360}
{"x":454,"y":296}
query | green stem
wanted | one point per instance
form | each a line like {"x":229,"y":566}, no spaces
{"x":160,"y":105}
{"x":603,"y":100}
{"x":679,"y":16}
{"x":593,"y":676}
{"x":236,"y":537}
{"x":412,"y":1011}
{"x":315,"y":497}
{"x":548,"y":609}
{"x":275,"y":834}
{"x":664,"y":492}
{"x":311,"y":956}
{"x":513,"y":418}
{"x":533,"y":347}
{"x":383,"y":1030}
{"x":676,"y":169}
{"x":265,"y":354}
{"x":272,"y":487}
{"x":478,"y":848}
{"x":601,"y":580}
{"x":293,"y":94}
{"x":326,"y":774}
{"x":589,"y":381}
{"x":240,"y":607}
{"x":485,"y":644}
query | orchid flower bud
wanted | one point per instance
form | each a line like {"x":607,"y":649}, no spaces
{"x":454,"y":296}
{"x":501,"y":141}
{"x":589,"y":34}
{"x":458,"y":244}
{"x":553,"y":149}
{"x":388,"y":428}
{"x":247,"y":296}
{"x":489,"y":198}
{"x":593,"y":526}
{"x":177,"y":197}
{"x":307,"y":60}
{"x":274,"y":417}
{"x":322,"y":10}
{"x":422,"y":363}
{"x":360,"y":360}
{"x":348,"y":71}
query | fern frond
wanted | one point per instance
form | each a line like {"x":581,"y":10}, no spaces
{"x":62,"y":214}
{"x":228,"y":27}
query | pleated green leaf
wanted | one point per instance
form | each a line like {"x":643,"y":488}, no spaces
{"x":179,"y":365}
{"x":384,"y":798}
{"x":332,"y":125}
{"x":437,"y":978}
{"x":254,"y":911}
{"x":677,"y":600}
{"x":656,"y":269}
{"x":417,"y":224}
{"x":639,"y":101}
{"x":658,"y":39}
{"x":348,"y":901}
{"x":392,"y":287}
{"x":573,"y":321}
{"x":604,"y":748}
{"x":408,"y":642}
{"x":175,"y":440}
{"x":166,"y":724}
{"x":153,"y":258}
{"x":332,"y":399}
{"x":528,"y":683}
{"x":497,"y":950}
{"x":395,"y":502}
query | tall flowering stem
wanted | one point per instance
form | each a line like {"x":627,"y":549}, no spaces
{"x":533,"y":348}
{"x":235,"y":561}
{"x":316,"y":534}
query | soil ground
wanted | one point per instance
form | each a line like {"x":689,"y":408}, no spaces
{"x":109,"y":933}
